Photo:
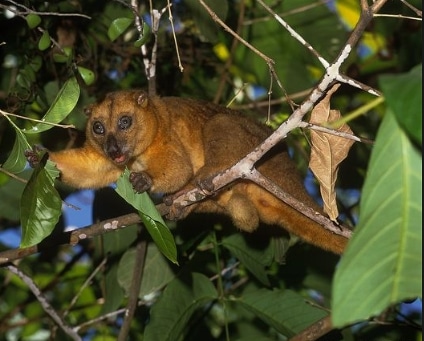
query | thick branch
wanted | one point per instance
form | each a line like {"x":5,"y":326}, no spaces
{"x":71,"y":237}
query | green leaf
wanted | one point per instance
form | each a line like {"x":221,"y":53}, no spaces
{"x":254,"y":259}
{"x":156,"y":272}
{"x":40,"y":208}
{"x":33,"y":20}
{"x":36,"y":62}
{"x":383,"y":262}
{"x":16,"y":161}
{"x":286,"y":311}
{"x":64,"y":57}
{"x":403,"y":93}
{"x":44,"y":42}
{"x":150,"y":217}
{"x":181,"y":298}
{"x":145,"y":37}
{"x":64,"y":103}
{"x":118,"y":27}
{"x":87,"y":75}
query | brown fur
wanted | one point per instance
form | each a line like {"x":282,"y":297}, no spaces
{"x":176,"y":142}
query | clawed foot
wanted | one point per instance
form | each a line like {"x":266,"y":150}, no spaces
{"x":140,"y":181}
{"x":33,"y":155}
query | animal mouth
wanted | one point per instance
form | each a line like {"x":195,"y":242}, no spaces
{"x":119,"y":159}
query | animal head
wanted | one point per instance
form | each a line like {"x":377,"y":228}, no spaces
{"x":122,"y":125}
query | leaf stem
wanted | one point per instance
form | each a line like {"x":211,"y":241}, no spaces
{"x":220,"y":285}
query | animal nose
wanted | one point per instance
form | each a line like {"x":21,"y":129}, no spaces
{"x":112,"y":147}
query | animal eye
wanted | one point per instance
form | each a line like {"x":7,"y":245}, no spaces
{"x":124,"y":122}
{"x":98,"y":128}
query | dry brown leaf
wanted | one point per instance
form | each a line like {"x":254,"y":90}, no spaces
{"x":327,"y":152}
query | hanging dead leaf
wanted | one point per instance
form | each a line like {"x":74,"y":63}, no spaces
{"x":327,"y":152}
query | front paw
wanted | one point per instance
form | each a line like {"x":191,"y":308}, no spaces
{"x":34,"y":155}
{"x":140,"y":181}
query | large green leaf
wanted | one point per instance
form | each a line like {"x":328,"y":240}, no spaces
{"x":40,"y":207}
{"x":383,"y":261}
{"x":255,"y":260}
{"x":286,"y":311}
{"x":16,"y":161}
{"x":153,"y":221}
{"x":403,"y":93}
{"x":181,"y":298}
{"x":118,"y":26}
{"x":157,"y":271}
{"x":64,"y":103}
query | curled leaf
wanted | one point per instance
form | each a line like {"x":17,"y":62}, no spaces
{"x":327,"y":152}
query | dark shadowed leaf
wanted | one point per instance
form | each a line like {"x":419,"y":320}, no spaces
{"x":156,"y":273}
{"x":255,"y":260}
{"x":181,"y":298}
{"x":286,"y":311}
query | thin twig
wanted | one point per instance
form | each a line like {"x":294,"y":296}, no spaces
{"x":177,"y":50}
{"x":140,"y":256}
{"x":14,"y":176}
{"x":44,"y":302}
{"x":65,"y":126}
{"x":83,"y":286}
{"x":334,"y":132}
{"x":26,"y":10}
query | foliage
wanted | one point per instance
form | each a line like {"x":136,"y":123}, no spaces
{"x":224,"y":284}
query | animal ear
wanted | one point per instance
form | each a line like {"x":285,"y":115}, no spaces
{"x":87,"y":110}
{"x":142,"y":99}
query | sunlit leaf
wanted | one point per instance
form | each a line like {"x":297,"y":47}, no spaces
{"x":64,"y":103}
{"x":40,"y":208}
{"x":87,"y":75}
{"x":383,"y":261}
{"x":153,"y":221}
{"x":117,"y":27}
{"x":181,"y":298}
